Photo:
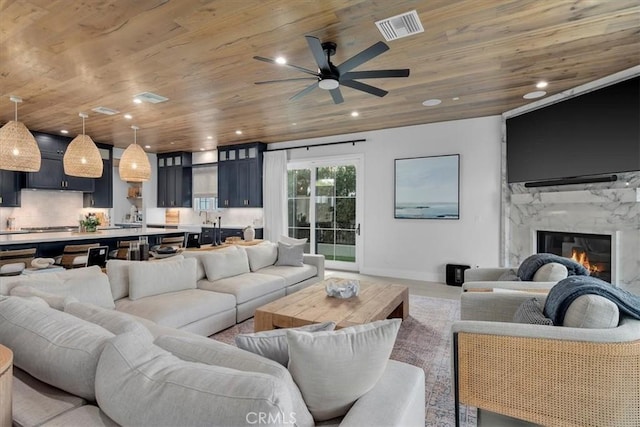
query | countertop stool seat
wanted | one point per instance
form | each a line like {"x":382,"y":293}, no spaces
{"x":75,"y":256}
{"x":172,"y":241}
{"x":12,"y":262}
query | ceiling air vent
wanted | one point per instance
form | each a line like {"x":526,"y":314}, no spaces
{"x":151,"y":98}
{"x":400,"y":26}
{"x":105,"y":110}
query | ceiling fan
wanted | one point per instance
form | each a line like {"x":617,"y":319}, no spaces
{"x":330,"y":77}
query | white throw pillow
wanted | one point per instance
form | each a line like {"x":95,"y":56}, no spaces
{"x":87,"y":285}
{"x":551,"y":272}
{"x":334,"y":369}
{"x":154,"y":278}
{"x":273,"y":344}
{"x":592,"y":311}
{"x":54,"y":301}
{"x":118,"y":273}
{"x":292,"y":241}
{"x":262,"y":255}
{"x":224,"y":263}
{"x":290,"y":255}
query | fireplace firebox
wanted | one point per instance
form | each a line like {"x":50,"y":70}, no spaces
{"x":591,"y":250}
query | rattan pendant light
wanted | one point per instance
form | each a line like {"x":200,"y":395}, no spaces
{"x":134,"y":163}
{"x":82,"y":158}
{"x":18,"y":148}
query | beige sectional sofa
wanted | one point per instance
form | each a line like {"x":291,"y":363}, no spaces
{"x":91,"y":365}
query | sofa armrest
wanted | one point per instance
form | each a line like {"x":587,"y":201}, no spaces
{"x":563,"y":376}
{"x":397,"y":399}
{"x":317,"y":261}
{"x":515,"y":285}
{"x":484,"y":274}
{"x":494,"y":306}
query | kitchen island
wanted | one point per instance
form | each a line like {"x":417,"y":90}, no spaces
{"x":51,"y":244}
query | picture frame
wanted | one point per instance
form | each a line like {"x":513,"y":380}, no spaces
{"x":427,"y":187}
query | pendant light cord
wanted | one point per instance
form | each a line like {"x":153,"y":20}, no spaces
{"x":16,"y":105}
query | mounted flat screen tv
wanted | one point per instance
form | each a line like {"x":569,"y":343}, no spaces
{"x":595,"y":133}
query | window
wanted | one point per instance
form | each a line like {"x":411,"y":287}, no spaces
{"x":205,"y":187}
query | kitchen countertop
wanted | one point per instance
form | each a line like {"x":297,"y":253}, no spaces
{"x":16,"y":239}
{"x":160,"y":224}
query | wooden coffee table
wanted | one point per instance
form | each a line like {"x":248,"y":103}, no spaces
{"x":312,"y":305}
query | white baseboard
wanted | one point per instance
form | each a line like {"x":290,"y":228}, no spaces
{"x":404,"y":274}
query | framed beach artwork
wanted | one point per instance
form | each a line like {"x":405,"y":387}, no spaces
{"x":427,"y":187}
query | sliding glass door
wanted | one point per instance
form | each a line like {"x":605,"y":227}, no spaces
{"x":324,"y":207}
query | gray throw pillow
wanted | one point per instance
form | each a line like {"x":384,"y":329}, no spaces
{"x":273,"y":344}
{"x":291,"y":255}
{"x":530,"y":311}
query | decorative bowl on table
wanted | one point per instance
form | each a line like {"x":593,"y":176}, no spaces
{"x":164,"y":251}
{"x":342,"y":289}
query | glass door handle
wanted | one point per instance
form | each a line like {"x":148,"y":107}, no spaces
{"x":358,"y":229}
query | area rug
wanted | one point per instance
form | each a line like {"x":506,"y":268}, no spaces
{"x":424,"y":340}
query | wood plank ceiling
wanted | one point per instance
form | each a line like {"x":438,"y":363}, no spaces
{"x":63,"y":57}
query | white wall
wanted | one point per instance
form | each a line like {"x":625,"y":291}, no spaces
{"x":420,"y":249}
{"x":121,"y":205}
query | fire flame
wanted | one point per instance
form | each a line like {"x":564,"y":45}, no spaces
{"x":582,"y":258}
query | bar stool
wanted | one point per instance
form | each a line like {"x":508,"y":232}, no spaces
{"x":12,"y":262}
{"x":75,"y":256}
{"x":177,"y":242}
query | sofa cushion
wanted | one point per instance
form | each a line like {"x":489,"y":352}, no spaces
{"x":273,"y":344}
{"x":290,"y":275}
{"x":531,"y":311}
{"x":550,"y":272}
{"x":333,"y":369}
{"x":151,"y":278}
{"x":211,"y":352}
{"x":291,"y":255}
{"x":138,"y":383}
{"x":178,"y":309}
{"x":118,"y":273}
{"x":112,"y":320}
{"x":291,"y":240}
{"x":592,"y":311}
{"x":198,"y":255}
{"x":262,"y":255}
{"x":228,"y":262}
{"x":88,"y":284}
{"x":87,"y":415}
{"x":35,"y":402}
{"x":53,"y":300}
{"x":244,"y":287}
{"x":53,"y":346}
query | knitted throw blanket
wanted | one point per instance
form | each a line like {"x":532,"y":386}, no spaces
{"x":530,"y":265}
{"x":567,"y":290}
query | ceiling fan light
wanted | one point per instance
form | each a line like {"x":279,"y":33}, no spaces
{"x":328,"y":84}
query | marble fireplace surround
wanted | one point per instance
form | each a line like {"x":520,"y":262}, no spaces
{"x":611,"y":208}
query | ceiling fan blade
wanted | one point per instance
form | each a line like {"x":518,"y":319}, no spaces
{"x":284,"y":80}
{"x":353,"y":84}
{"x":362,"y":57}
{"x":374,"y":74}
{"x":318,"y":53}
{"x":337,"y":96}
{"x":272,"y":61}
{"x":304,"y":91}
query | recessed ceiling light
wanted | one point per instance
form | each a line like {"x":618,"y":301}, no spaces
{"x":137,"y":101}
{"x":354,"y":114}
{"x":128,"y":116}
{"x":209,"y":137}
{"x":281,"y":60}
{"x":238,"y":132}
{"x":172,"y":143}
{"x":455,"y":98}
{"x":535,"y":94}
{"x":64,"y":131}
{"x":147,"y":146}
{"x":432,"y":102}
{"x":541,"y":84}
{"x":202,"y":149}
{"x":294,"y":124}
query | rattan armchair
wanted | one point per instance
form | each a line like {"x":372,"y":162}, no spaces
{"x":549,"y":375}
